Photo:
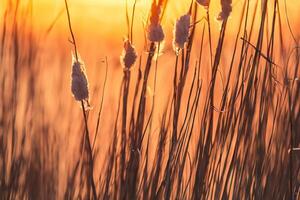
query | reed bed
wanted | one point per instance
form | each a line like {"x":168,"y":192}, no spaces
{"x":199,"y":112}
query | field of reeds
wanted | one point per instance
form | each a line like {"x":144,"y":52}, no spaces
{"x":160,"y":99}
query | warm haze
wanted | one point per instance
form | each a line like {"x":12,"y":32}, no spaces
{"x":157,"y":101}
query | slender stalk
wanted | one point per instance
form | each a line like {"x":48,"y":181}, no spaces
{"x":87,"y":138}
{"x":132,"y":21}
{"x":209,"y":36}
{"x":291,"y":164}
{"x":126,"y":84}
{"x":149,"y":121}
{"x":89,"y":152}
{"x":101,"y":105}
{"x":71,"y":30}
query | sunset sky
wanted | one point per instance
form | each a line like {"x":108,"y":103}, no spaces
{"x":104,"y":20}
{"x":112,"y":12}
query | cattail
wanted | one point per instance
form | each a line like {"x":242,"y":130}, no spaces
{"x":204,"y":3}
{"x":181,"y":31}
{"x":79,"y":81}
{"x":155,"y":13}
{"x":226,"y":9}
{"x":129,"y":55}
{"x":155,"y":33}
{"x":155,"y":30}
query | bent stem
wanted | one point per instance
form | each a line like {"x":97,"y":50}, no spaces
{"x":101,"y":104}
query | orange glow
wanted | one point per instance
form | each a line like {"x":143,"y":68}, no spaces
{"x":112,"y":12}
{"x":217,"y":110}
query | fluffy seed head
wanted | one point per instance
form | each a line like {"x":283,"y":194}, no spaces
{"x":155,"y":33}
{"x":79,"y":81}
{"x":129,"y":55}
{"x":181,"y":31}
{"x":204,"y":3}
{"x":226,"y":9}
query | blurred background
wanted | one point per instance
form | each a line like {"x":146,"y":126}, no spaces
{"x":35,"y":64}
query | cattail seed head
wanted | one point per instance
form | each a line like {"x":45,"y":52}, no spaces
{"x":79,"y":81}
{"x":155,"y":33}
{"x":129,"y":55}
{"x":204,"y":3}
{"x":181,"y":31}
{"x":226,"y":9}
